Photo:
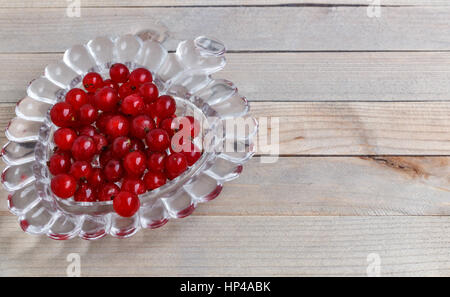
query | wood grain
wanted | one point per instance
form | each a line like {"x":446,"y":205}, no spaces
{"x":244,"y":246}
{"x":297,"y":28}
{"x":374,"y":76}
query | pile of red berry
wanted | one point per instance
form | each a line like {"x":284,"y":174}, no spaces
{"x":116,"y":140}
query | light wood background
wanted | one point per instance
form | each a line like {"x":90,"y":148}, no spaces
{"x":364,"y":108}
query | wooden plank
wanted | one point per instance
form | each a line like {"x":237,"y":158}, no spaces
{"x":243,"y":246}
{"x":298,"y":28}
{"x":344,"y":128}
{"x":375,"y":186}
{"x":153,"y":3}
{"x":362,"y":76}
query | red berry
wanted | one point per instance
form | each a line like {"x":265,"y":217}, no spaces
{"x":149,"y":91}
{"x":121,"y":146}
{"x":154,"y":180}
{"x":140,"y":76}
{"x":110,"y":83}
{"x":156,"y":162}
{"x":157,"y":140}
{"x":126,"y":204}
{"x":87,"y":131}
{"x":137,"y":145}
{"x":101,"y":143}
{"x":77,"y":98}
{"x":135,"y":163}
{"x":119,"y":73}
{"x":102,"y":120}
{"x":59,"y":163}
{"x":141,"y":125}
{"x":106,"y":99}
{"x":113,"y":171}
{"x":126,"y":90}
{"x":108,"y":192}
{"x":81,"y":170}
{"x":117,"y":126}
{"x":133,"y":185}
{"x":85,"y":193}
{"x":96,"y":179}
{"x":176,"y":164}
{"x":63,"y":186}
{"x":168,"y":125}
{"x":105,"y":157}
{"x":87,"y":114}
{"x":62,"y":114}
{"x":92,"y":81}
{"x":64,"y":138}
{"x":83,"y":148}
{"x":165,"y":106}
{"x":192,"y":155}
{"x":192,"y":125}
{"x":133,"y":105}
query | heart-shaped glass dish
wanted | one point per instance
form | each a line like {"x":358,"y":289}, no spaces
{"x":186,"y":75}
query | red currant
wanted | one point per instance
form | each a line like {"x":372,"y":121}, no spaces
{"x":85,"y":193}
{"x":117,"y":126}
{"x":135,"y":163}
{"x":101,"y":143}
{"x":110,"y":83}
{"x":141,"y":125}
{"x":92,"y":81}
{"x":133,"y":105}
{"x":87,"y":131}
{"x":63,"y":186}
{"x":156,"y":162}
{"x":83,"y":148}
{"x":105,"y":157}
{"x":102,"y":120}
{"x":149,"y":91}
{"x":59,"y":163}
{"x":193,"y":126}
{"x":126,"y":204}
{"x":137,"y":145}
{"x":77,"y":98}
{"x":81,"y":170}
{"x":119,"y":73}
{"x":62,"y":114}
{"x":96,"y":179}
{"x":165,"y":106}
{"x":157,"y":140}
{"x":168,"y":125}
{"x":107,"y":192}
{"x":64,"y":138}
{"x":106,"y":99}
{"x":113,"y":171}
{"x":121,"y":146}
{"x":176,"y":164}
{"x":87,"y":114}
{"x":133,"y":185}
{"x":192,"y":155}
{"x":154,"y":180}
{"x":140,"y":76}
{"x":126,"y":90}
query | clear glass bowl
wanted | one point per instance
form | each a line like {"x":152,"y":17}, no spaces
{"x":184,"y":74}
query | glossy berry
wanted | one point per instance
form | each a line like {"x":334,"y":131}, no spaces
{"x":87,"y":131}
{"x":63,"y":186}
{"x":140,"y":76}
{"x":101,"y":143}
{"x":156,"y":162}
{"x":141,"y":125}
{"x":119,"y":73}
{"x":192,"y":125}
{"x":165,"y":106}
{"x":102,"y":120}
{"x":176,"y":164}
{"x":133,"y":185}
{"x":126,"y":204}
{"x":121,"y":146}
{"x":135,"y":163}
{"x":77,"y":98}
{"x":83,"y":148}
{"x":108,"y":192}
{"x":105,"y":157}
{"x":62,"y":114}
{"x":192,"y":154}
{"x":64,"y":138}
{"x":85,"y":193}
{"x":113,"y":171}
{"x":126,"y":89}
{"x":169,"y":126}
{"x":81,"y":170}
{"x":117,"y":126}
{"x":87,"y":114}
{"x":154,"y":180}
{"x":92,"y":82}
{"x":59,"y":163}
{"x":110,"y":83}
{"x":137,"y":145}
{"x":133,"y":105}
{"x":149,"y":91}
{"x":96,"y":179}
{"x":157,"y":140}
{"x":106,"y":99}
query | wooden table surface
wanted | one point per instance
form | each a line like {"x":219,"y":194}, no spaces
{"x":363,"y":175}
